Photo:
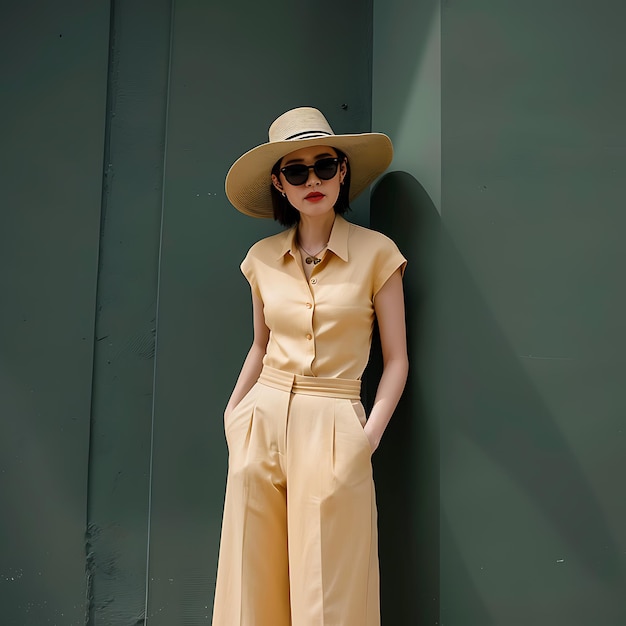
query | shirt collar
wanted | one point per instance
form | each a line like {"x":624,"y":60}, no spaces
{"x":337,"y":243}
{"x":289,"y":243}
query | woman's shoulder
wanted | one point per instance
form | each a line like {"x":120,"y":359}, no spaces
{"x":271,"y":246}
{"x":368,"y":237}
{"x":373,"y":249}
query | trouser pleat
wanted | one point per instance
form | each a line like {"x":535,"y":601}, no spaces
{"x":330,"y":507}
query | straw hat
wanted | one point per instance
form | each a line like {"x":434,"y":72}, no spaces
{"x":248,"y":180}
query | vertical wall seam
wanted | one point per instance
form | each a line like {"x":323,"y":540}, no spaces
{"x":158,"y":299}
{"x":107,"y":173}
{"x":370,"y":72}
{"x":439,"y":10}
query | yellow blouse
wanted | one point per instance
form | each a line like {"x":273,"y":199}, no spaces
{"x":321,"y":326}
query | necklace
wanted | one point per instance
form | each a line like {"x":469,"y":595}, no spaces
{"x":313,"y":258}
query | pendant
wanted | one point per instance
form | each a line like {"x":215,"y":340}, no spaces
{"x":313,"y":260}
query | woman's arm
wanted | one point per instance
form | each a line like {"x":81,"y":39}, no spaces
{"x":389,"y":307}
{"x":253,"y":364}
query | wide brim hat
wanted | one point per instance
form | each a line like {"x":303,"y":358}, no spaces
{"x":248,"y":180}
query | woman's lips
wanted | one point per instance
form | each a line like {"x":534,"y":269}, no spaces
{"x":314,"y":197}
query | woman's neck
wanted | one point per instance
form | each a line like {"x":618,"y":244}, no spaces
{"x":314,"y":232}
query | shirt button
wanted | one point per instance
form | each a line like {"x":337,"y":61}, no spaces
{"x":309,"y":336}
{"x":313,"y":281}
{"x":308,"y":305}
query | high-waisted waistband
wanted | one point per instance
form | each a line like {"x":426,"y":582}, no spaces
{"x":311,"y":385}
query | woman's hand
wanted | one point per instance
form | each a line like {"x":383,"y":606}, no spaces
{"x":371,"y":437}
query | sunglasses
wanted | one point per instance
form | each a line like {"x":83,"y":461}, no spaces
{"x":298,"y":173}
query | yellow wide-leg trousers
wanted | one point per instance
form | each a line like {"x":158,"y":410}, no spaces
{"x":299,"y":539}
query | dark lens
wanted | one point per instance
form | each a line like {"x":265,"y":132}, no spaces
{"x":326,"y":168}
{"x":298,"y":173}
{"x":295,"y":174}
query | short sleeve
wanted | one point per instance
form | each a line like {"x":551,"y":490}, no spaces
{"x":388,"y":260}
{"x":247,"y":269}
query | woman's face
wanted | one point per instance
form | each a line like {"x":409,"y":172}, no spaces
{"x":315,"y":196}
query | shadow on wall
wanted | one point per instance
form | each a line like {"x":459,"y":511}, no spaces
{"x":465,"y":381}
{"x":484,"y":396}
{"x":407,"y":464}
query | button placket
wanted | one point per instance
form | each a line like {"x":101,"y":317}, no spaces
{"x":309,"y":334}
{"x":310,"y":307}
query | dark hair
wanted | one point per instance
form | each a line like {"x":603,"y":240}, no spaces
{"x":287,"y":215}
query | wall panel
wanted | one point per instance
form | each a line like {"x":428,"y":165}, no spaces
{"x":119,"y":482}
{"x":532,"y":448}
{"x":53,"y":67}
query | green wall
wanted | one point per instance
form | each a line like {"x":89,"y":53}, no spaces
{"x":127,"y":310}
{"x":53,"y":68}
{"x":533,"y":445}
{"x":406,"y":87}
{"x":516,"y":321}
{"x":406,"y":104}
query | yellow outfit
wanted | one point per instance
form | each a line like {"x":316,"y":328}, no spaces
{"x":299,"y":537}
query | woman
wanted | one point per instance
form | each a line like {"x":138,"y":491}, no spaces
{"x":299,"y":542}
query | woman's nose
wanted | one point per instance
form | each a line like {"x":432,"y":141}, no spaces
{"x":313,"y":178}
